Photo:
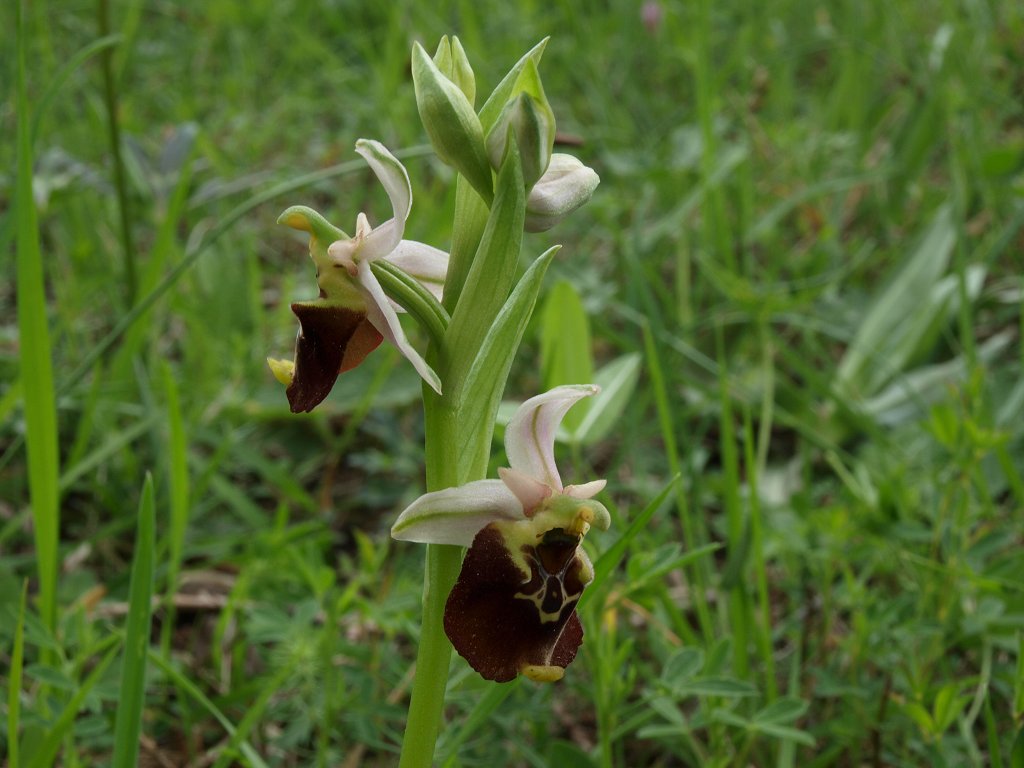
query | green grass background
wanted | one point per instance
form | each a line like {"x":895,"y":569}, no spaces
{"x":808,"y":232}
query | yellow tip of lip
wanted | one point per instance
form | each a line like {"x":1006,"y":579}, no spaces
{"x":543,"y":673}
{"x":283,"y":370}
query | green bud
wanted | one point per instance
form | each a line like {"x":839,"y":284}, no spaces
{"x":506,"y":88}
{"x":452,"y":125}
{"x":453,"y":63}
{"x":565,"y":186}
{"x":529,"y":117}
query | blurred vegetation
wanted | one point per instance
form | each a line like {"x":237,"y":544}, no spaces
{"x":807,"y":243}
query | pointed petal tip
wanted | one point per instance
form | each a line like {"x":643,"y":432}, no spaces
{"x":585,"y":490}
{"x":530,"y":434}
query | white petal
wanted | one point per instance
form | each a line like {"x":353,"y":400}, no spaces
{"x":456,"y":515}
{"x":385,"y":319}
{"x":531,"y":493}
{"x":530,"y":435}
{"x":427,"y":264}
{"x":379,"y":242}
{"x":392,"y":174}
{"x":587,"y":490}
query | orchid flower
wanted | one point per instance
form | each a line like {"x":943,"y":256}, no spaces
{"x":513,"y":609}
{"x":353,"y":315}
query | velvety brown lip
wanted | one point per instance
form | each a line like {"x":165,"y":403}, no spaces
{"x":501,"y":621}
{"x":326,"y":334}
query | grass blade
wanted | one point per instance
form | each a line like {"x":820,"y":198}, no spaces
{"x":179,"y":495}
{"x":133,"y":676}
{"x":74,"y":64}
{"x":611,"y":558}
{"x":692,"y":535}
{"x":35,"y":358}
{"x":190,"y":688}
{"x":254,"y":713}
{"x":47,"y":752}
{"x":478,"y":718}
{"x":110,"y":98}
{"x":14,"y":684}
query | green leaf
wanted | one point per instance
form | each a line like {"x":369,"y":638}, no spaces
{"x":50,"y":677}
{"x":36,"y":364}
{"x":1018,"y":684}
{"x":683,"y":666}
{"x":177,"y":457}
{"x":490,"y":276}
{"x":484,"y":384}
{"x":618,"y":380}
{"x":907,"y":397}
{"x":14,"y":683}
{"x":70,"y":67}
{"x":136,"y":643}
{"x":725,"y":687}
{"x":1017,"y":751}
{"x":784,"y":710}
{"x":900,"y":315}
{"x":947,"y":706}
{"x":921,"y":716}
{"x":783,"y":733}
{"x":565,"y":347}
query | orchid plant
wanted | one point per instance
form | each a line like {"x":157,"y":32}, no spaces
{"x":508,"y":605}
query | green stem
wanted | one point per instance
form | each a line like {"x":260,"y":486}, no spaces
{"x":432,"y":659}
{"x":114,"y":127}
{"x":442,"y":569}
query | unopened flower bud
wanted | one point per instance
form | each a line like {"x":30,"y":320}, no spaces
{"x":531,"y":121}
{"x":452,"y":125}
{"x":453,"y":63}
{"x":565,"y":186}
